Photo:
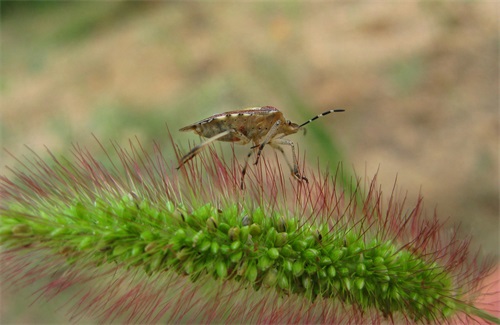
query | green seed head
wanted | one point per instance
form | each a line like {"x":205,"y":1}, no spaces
{"x":192,"y":240}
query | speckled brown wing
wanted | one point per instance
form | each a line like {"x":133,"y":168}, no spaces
{"x":265,"y":110}
{"x":251,"y":124}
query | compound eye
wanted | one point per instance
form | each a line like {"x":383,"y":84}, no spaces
{"x":288,"y":122}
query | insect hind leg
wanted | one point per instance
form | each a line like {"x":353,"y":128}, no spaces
{"x":196,"y":150}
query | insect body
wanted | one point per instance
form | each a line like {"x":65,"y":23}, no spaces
{"x":259,"y":125}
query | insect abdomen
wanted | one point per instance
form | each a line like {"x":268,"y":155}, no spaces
{"x":208,"y":130}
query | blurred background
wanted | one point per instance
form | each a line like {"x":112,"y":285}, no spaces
{"x":419,"y":82}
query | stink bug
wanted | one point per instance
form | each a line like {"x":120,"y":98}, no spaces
{"x":261,"y":125}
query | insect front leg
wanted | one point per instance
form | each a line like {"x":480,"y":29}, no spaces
{"x":276,"y":144}
{"x":196,"y":150}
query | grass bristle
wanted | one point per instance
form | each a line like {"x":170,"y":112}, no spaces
{"x":145,"y":243}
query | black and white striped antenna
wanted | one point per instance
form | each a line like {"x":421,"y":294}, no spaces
{"x":321,"y":115}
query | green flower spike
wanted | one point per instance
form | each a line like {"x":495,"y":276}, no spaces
{"x":143,"y":243}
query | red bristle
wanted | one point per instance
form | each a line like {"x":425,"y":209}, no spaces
{"x":126,"y":296}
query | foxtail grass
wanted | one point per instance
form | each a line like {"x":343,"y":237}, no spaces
{"x":135,"y":240}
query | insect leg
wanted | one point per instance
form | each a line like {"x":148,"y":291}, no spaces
{"x":267,"y":139}
{"x":244,"y":170}
{"x":191,"y":154}
{"x":295,"y":168}
{"x":280,"y":149}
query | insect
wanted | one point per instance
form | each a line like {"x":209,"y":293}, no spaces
{"x":260,"y":125}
